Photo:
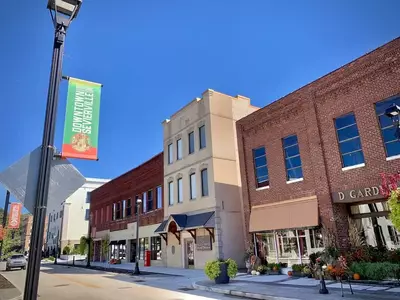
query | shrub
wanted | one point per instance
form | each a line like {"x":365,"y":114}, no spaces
{"x":376,"y":270}
{"x":274,"y":266}
{"x":66,"y":250}
{"x":212,"y":268}
{"x":298,"y":267}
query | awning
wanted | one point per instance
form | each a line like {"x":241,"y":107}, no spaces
{"x":119,"y":242}
{"x":202,"y":220}
{"x":113,"y":243}
{"x":296,"y":213}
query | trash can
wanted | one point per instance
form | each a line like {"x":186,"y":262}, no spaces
{"x":147,"y":258}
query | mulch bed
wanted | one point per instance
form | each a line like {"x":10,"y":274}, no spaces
{"x":5,"y":284}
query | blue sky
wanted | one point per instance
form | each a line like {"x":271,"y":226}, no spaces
{"x":155,"y":56}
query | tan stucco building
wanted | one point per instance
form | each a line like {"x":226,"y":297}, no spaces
{"x":202,"y":186}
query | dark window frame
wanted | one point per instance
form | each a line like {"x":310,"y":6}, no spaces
{"x":179,"y":193}
{"x":203,"y":194}
{"x":350,"y":139}
{"x":191,"y":148}
{"x":291,"y":157}
{"x":150,"y":200}
{"x":266,"y":182}
{"x":202,"y":142}
{"x":190,"y":186}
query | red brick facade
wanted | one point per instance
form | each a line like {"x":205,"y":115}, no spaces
{"x":310,"y":112}
{"x":147,"y":176}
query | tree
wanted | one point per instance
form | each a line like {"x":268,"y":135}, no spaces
{"x":394,"y":205}
{"x":83,"y":245}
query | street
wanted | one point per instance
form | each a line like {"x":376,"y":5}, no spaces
{"x":60,"y":282}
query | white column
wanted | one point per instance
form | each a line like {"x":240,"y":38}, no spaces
{"x":277,"y":248}
{"x":298,"y":247}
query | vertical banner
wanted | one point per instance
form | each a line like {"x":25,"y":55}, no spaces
{"x":81,"y":129}
{"x":15,"y":216}
{"x":2,"y":233}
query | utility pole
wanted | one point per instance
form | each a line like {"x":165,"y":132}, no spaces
{"x":4,"y":223}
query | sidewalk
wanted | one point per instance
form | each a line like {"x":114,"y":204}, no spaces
{"x":7,"y":290}
{"x":188,"y":273}
{"x":280,"y":287}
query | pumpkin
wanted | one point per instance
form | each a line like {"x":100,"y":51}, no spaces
{"x":356,"y":276}
{"x":290,"y":273}
{"x":329,"y":267}
{"x":275,"y":268}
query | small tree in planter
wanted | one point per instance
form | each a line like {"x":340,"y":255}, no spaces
{"x":221,"y":270}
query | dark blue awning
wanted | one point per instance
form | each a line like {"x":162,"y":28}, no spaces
{"x":202,"y":220}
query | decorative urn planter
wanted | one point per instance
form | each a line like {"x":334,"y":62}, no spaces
{"x":223,"y":277}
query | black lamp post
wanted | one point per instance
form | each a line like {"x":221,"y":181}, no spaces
{"x":137,"y":271}
{"x":322,"y":284}
{"x":393,"y":112}
{"x":89,"y":240}
{"x":62,"y":13}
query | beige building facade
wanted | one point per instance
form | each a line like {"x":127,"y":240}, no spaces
{"x":202,"y":185}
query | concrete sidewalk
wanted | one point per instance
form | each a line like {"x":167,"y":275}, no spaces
{"x":7,"y":290}
{"x":291,"y":290}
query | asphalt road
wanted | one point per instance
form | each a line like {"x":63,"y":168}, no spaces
{"x":59,"y":282}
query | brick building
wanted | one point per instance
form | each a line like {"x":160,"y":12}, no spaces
{"x":26,"y":232}
{"x":314,"y":157}
{"x":113,"y":213}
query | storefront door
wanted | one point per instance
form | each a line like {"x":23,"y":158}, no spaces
{"x":189,"y":253}
{"x":133,"y":251}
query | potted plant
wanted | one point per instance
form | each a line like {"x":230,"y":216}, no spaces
{"x":221,"y":270}
{"x":274,"y":269}
{"x":298,"y":270}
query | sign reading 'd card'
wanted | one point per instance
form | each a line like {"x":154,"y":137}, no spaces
{"x":357,"y":195}
{"x":203,"y":243}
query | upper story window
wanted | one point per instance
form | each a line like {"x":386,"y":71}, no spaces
{"x":179,"y":149}
{"x":123,"y":209}
{"x":129,"y":208}
{"x":192,"y":179}
{"x":391,"y":142}
{"x":118,"y":214}
{"x":135,"y":204}
{"x":114,"y":211}
{"x":191,"y":142}
{"x":202,"y":136}
{"x":144,"y":202}
{"x":87,"y":197}
{"x":204,"y":183}
{"x":149,"y":200}
{"x":261,"y":167}
{"x":180,"y":190}
{"x":349,"y":140}
{"x":170,"y":154}
{"x":171,"y":193}
{"x":159,"y":197}
{"x":294,"y":170}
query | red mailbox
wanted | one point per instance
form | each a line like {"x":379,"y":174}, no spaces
{"x":147,"y":258}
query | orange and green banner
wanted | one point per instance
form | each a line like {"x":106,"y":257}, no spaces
{"x":81,"y":129}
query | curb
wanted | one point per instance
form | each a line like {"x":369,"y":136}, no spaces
{"x":225,"y":291}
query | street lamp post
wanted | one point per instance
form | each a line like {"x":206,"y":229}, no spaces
{"x":89,"y":240}
{"x":137,"y":271}
{"x":62,"y":12}
{"x":393,"y":112}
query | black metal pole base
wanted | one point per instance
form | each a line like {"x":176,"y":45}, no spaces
{"x":137,"y":271}
{"x":322,"y":287}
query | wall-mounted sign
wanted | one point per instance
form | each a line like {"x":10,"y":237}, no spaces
{"x":203,"y":243}
{"x":357,"y":195}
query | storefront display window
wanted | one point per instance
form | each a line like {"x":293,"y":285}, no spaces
{"x":155,"y":248}
{"x":293,"y":246}
{"x":144,"y":245}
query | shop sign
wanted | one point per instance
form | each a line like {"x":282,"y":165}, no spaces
{"x":357,"y":195}
{"x":203,"y":243}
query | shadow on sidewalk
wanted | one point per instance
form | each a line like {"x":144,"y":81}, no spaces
{"x":7,"y":289}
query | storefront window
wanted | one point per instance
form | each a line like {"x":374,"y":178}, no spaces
{"x":144,"y":245}
{"x":316,"y":239}
{"x":155,"y":248}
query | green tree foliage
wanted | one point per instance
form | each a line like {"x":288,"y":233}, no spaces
{"x":83,"y":245}
{"x":394,"y":205}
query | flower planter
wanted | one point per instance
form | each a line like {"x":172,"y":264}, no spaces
{"x":272,"y":272}
{"x":223,"y":277}
{"x":298,"y":274}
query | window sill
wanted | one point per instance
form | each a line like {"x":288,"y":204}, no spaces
{"x":353,"y":167}
{"x":262,"y":188}
{"x":192,"y":199}
{"x":180,"y":202}
{"x":392,"y":157}
{"x":294,"y":180}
